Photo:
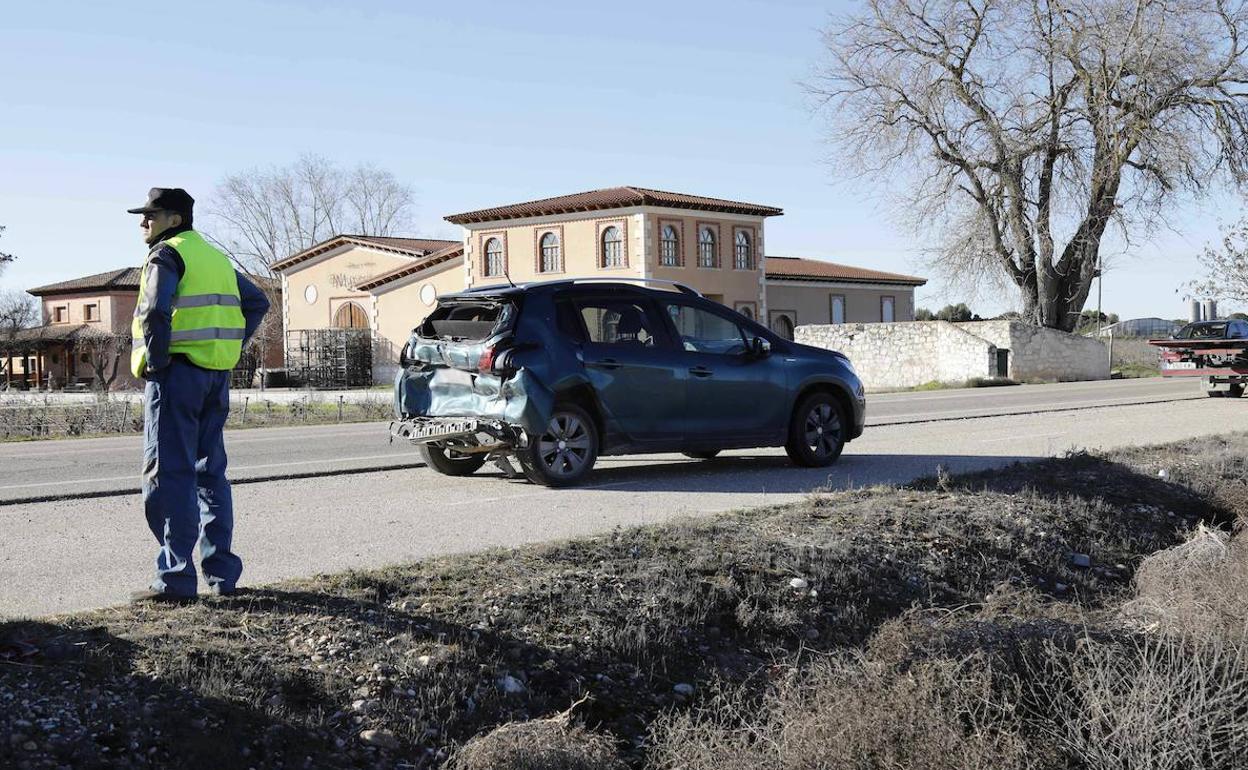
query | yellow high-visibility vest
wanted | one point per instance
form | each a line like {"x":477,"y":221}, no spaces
{"x":208,"y":318}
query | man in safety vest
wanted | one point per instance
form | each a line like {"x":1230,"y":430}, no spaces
{"x":194,"y":315}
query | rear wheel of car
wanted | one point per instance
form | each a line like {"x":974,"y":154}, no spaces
{"x":707,"y":455}
{"x":450,"y":463}
{"x":1236,"y":390}
{"x":817,"y":431}
{"x":565,"y":452}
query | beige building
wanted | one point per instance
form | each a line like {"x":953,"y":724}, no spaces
{"x":801,"y":292}
{"x":388,"y":285}
{"x":323,"y":288}
{"x":711,"y":244}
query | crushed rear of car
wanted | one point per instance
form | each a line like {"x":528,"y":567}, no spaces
{"x":549,"y":376}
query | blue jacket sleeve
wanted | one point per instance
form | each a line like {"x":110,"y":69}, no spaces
{"x":254,"y":305}
{"x":155,"y":308}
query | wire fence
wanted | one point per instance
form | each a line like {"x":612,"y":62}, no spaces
{"x":46,"y":420}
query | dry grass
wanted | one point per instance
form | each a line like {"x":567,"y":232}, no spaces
{"x":850,"y":713}
{"x":1199,"y":588}
{"x":928,"y":605}
{"x":1159,"y":702}
{"x":540,"y":744}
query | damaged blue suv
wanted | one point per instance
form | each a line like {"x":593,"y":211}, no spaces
{"x":552,"y":375}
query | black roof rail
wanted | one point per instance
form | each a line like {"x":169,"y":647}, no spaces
{"x":682,"y":288}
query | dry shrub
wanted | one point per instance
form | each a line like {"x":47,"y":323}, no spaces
{"x":849,"y":714}
{"x":1159,"y":703}
{"x":540,"y":744}
{"x":1198,"y":589}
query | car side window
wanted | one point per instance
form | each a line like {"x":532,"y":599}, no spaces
{"x":617,"y":322}
{"x":701,"y":331}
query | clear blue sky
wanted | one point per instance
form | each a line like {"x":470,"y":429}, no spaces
{"x":474,"y":104}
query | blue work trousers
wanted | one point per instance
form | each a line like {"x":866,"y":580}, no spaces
{"x":185,"y":493}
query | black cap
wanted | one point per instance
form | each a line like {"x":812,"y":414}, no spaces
{"x":173,"y":199}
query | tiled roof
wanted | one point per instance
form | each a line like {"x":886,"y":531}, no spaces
{"x":797,"y":269}
{"x":407,"y":247}
{"x":124,"y":279}
{"x":436,"y":258}
{"x":41,"y":334}
{"x":611,"y":198}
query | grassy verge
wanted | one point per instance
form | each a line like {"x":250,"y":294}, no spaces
{"x":973,"y":382}
{"x":912,"y":626}
{"x":37,"y":422}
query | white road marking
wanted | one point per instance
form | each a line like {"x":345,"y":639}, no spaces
{"x":1023,"y":437}
{"x":1019,"y":409}
{"x":232,"y":471}
{"x":118,"y":442}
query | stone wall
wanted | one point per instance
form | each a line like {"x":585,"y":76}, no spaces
{"x":903,"y":355}
{"x":1045,"y":354}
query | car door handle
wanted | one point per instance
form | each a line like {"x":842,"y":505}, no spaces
{"x":606,"y":363}
{"x":700,"y":371}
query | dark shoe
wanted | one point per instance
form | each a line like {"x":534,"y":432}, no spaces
{"x":150,"y":596}
{"x":216,"y":590}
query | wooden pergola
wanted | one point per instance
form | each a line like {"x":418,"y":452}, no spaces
{"x":27,"y":345}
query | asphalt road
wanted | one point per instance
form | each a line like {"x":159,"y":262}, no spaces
{"x":36,"y":471}
{"x":78,"y":554}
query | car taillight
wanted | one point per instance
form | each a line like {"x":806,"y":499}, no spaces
{"x":485,"y":364}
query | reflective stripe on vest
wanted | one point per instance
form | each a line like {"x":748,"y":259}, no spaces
{"x":208,"y":323}
{"x":205,"y":300}
{"x":207,"y":334}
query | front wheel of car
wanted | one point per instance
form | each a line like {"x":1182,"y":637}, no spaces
{"x":1236,"y":390}
{"x":451,"y":463}
{"x":817,"y":431}
{"x":565,"y":452}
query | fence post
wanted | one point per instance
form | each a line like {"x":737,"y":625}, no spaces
{"x":339,"y":407}
{"x":125,"y":418}
{"x":246,"y":401}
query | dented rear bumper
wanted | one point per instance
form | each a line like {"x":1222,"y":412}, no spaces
{"x":439,"y":383}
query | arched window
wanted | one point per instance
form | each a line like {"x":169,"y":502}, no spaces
{"x":747,"y":311}
{"x":350,"y":316}
{"x":550,"y":254}
{"x":706,"y":248}
{"x":744,"y":252}
{"x":784,"y":327}
{"x":494,"y":257}
{"x":669,"y":247}
{"x":612,"y":247}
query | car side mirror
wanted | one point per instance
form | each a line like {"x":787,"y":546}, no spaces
{"x":760,"y":347}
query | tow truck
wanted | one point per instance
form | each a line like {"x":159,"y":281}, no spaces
{"x":1214,"y":352}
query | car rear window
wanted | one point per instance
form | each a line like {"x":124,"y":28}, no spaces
{"x":1202,"y":331}
{"x":467,"y":320}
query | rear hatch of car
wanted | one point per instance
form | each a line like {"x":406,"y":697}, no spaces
{"x":464,"y":332}
{"x":460,"y":363}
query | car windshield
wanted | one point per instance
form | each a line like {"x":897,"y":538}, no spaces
{"x":1202,"y":331}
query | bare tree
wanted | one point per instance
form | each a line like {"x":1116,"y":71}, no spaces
{"x":1226,"y":267}
{"x":1017,"y":131}
{"x":105,"y":351}
{"x":264,"y":215}
{"x":4,"y":258}
{"x":18,"y":310}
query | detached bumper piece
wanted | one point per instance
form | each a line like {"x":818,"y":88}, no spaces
{"x":425,"y":430}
